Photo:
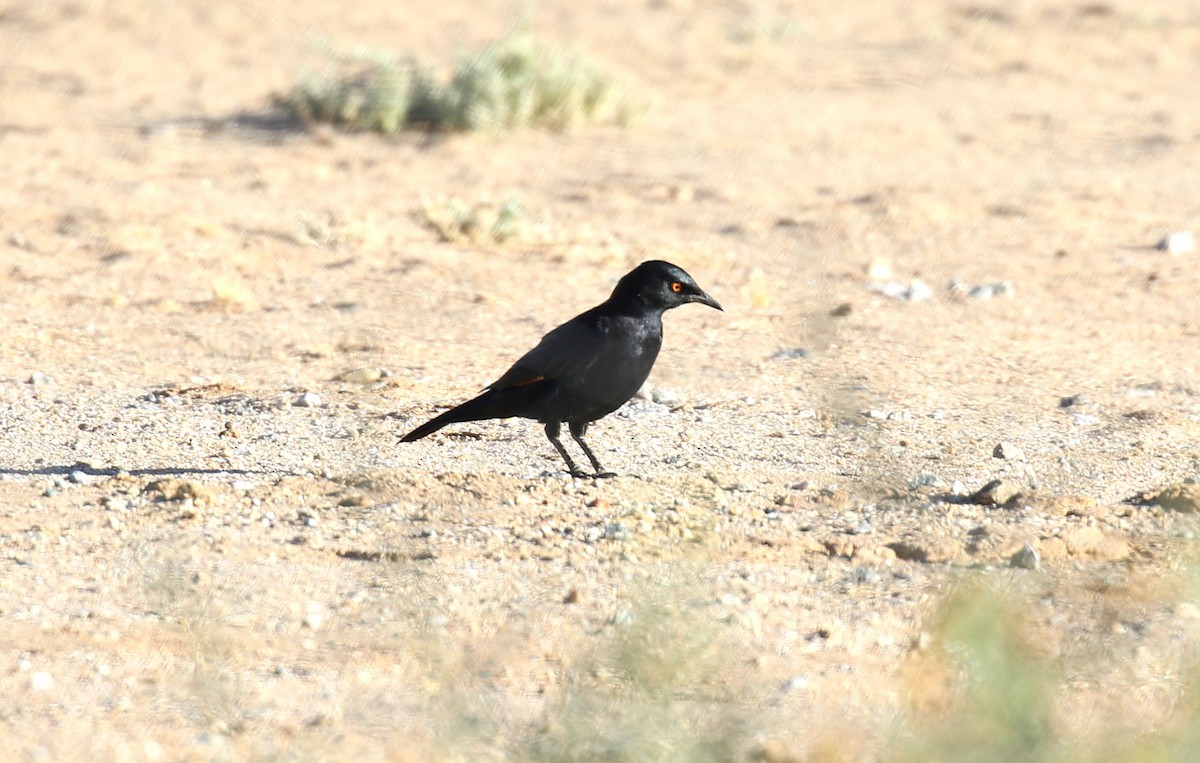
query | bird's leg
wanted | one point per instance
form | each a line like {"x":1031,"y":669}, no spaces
{"x":553,"y":428}
{"x":578,"y":430}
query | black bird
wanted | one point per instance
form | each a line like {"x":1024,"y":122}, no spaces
{"x":588,"y":367}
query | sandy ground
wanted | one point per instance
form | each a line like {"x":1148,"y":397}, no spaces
{"x":195,"y":567}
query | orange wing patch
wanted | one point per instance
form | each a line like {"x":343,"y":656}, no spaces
{"x":534,"y":380}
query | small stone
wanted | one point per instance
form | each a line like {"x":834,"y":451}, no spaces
{"x":1008,"y":451}
{"x":916,"y":291}
{"x":996,"y":493}
{"x":616,"y":531}
{"x":80,"y":477}
{"x":842,"y":310}
{"x":307,"y":400}
{"x":152,"y":750}
{"x":791,"y":353}
{"x":1179,"y":242}
{"x":990,"y":290}
{"x":925,"y":479}
{"x":39,"y":379}
{"x":623,"y":617}
{"x":1071,"y":400}
{"x":313,"y":619}
{"x":1026,"y":558}
{"x":114,"y":503}
{"x":41,"y":681}
{"x":923,"y":641}
{"x":1084,"y":419}
{"x":879,"y":270}
{"x":666,"y":397}
{"x":795,"y":683}
{"x":572,"y":596}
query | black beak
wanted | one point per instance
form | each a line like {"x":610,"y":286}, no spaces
{"x":705,"y":299}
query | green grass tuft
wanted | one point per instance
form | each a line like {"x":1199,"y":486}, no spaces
{"x":1005,"y":695}
{"x":514,"y":83}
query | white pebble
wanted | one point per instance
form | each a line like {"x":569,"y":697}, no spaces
{"x":915,"y":291}
{"x":1027,"y":558}
{"x":1179,"y":242}
{"x":664,"y":396}
{"x":307,"y":400}
{"x":1008,"y":451}
{"x":797,"y":683}
{"x":41,"y":681}
{"x":314,"y":618}
{"x":925,"y":479}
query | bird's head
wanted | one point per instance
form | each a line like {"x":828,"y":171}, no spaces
{"x":662,"y":285}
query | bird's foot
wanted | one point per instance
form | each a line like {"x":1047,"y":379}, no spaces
{"x":580,"y":474}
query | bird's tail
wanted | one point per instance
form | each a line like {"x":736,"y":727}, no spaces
{"x":482,"y":407}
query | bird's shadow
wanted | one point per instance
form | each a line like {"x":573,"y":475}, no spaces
{"x":54,"y":470}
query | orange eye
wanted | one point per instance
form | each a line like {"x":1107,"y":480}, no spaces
{"x":676,"y":287}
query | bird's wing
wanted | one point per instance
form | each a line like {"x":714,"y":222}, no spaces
{"x":568,"y":349}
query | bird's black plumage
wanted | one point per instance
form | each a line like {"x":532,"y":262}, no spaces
{"x":589,"y":366}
